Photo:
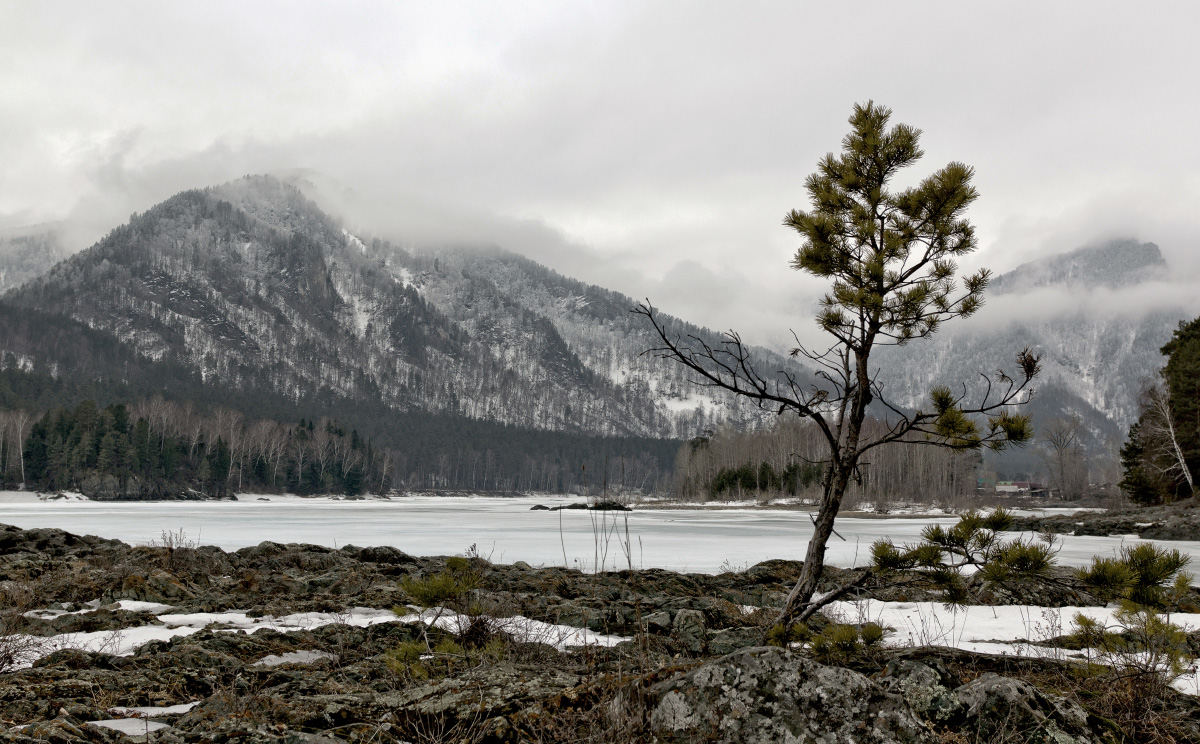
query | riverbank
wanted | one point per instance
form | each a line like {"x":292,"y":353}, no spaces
{"x":1180,"y":521}
{"x":284,"y":643}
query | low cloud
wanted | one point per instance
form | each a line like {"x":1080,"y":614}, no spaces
{"x":624,"y":144}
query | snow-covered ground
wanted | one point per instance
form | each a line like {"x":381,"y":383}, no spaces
{"x":505,"y":529}
{"x":1014,"y":630}
{"x":126,"y":641}
{"x":993,"y":630}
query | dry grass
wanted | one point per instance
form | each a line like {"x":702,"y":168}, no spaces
{"x":610,"y":710}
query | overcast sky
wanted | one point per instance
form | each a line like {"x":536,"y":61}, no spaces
{"x":652,"y":148}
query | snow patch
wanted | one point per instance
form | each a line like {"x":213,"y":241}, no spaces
{"x":1005,"y":630}
{"x":294,"y":657}
{"x":690,"y":403}
{"x":518,"y":627}
{"x":126,"y":641}
{"x":402,"y":276}
{"x":354,"y":242}
{"x":130,"y":726}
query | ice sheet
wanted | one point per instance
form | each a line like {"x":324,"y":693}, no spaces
{"x":506,"y":530}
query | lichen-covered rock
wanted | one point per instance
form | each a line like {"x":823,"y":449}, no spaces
{"x":61,"y":730}
{"x":384,"y":554}
{"x":927,"y":688}
{"x":490,"y":692}
{"x":691,"y":630}
{"x":994,"y":707}
{"x":658,"y":622}
{"x":765,"y":694}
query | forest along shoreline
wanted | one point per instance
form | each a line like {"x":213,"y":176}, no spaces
{"x":282,"y":642}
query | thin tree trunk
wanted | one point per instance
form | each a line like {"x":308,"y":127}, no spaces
{"x":843,"y":464}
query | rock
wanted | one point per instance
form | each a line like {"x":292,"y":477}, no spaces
{"x":998,"y":708}
{"x":523,"y":566}
{"x":162,"y":586}
{"x":62,"y":730}
{"x":732,"y":639}
{"x":301,"y":657}
{"x":386,"y":555}
{"x":658,"y":622}
{"x":765,"y":694}
{"x":481,"y":694}
{"x":70,"y":658}
{"x":691,"y":630}
{"x":539,"y":507}
{"x":299,"y":737}
{"x":929,"y":691}
{"x":190,"y":656}
{"x":609,"y":505}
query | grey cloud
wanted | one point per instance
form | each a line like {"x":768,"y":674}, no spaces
{"x":628,"y":144}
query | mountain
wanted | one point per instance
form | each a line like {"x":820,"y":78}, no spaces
{"x":1087,"y":312}
{"x":249,"y":287}
{"x":1119,"y":263}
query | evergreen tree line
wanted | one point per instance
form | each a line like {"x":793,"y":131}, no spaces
{"x":785,"y":459}
{"x":157,"y":448}
{"x":1161,"y":456}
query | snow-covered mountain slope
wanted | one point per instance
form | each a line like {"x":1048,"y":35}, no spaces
{"x":514,"y":304}
{"x":251,"y":286}
{"x":1097,"y":315}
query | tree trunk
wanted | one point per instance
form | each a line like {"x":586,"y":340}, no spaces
{"x":844,"y":462}
{"x":837,"y":480}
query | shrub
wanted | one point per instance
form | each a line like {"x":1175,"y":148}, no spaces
{"x":974,"y":541}
{"x":836,"y":644}
{"x":1139,"y":575}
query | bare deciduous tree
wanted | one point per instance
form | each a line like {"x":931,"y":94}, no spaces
{"x":1062,"y":452}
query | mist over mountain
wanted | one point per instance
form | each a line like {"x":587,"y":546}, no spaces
{"x":28,"y":253}
{"x":1098,"y":315}
{"x":249,"y":292}
{"x":1119,"y":263}
{"x":249,"y":286}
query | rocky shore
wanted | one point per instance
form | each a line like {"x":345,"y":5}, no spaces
{"x":1180,"y":521}
{"x":299,"y":643}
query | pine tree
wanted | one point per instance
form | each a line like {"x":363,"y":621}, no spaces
{"x":891,"y":258}
{"x":142,"y":451}
{"x":218,"y":461}
{"x":1161,"y":456}
{"x":1138,"y":484}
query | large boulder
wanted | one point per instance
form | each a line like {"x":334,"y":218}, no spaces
{"x":766,"y":694}
{"x":989,"y":707}
{"x":995,"y":708}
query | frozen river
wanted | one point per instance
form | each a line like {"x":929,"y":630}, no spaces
{"x":503,"y":528}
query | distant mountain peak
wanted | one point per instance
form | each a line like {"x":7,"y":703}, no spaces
{"x":1116,"y":263}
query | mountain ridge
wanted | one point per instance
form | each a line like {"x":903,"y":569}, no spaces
{"x":249,"y":284}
